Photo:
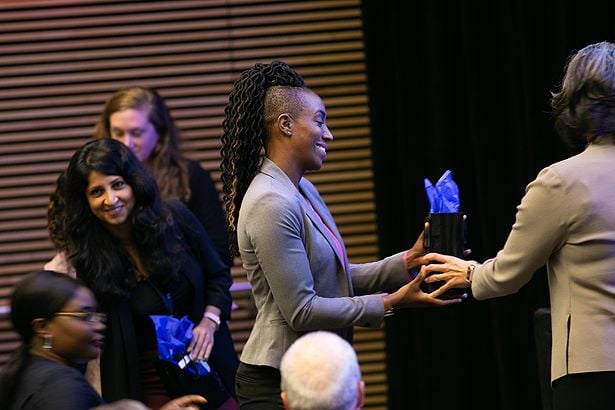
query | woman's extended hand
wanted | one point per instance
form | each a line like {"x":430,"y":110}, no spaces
{"x":448,"y":269}
{"x":411,"y":295}
{"x":414,"y":255}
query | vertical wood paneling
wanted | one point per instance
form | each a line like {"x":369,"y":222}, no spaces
{"x":60,"y":60}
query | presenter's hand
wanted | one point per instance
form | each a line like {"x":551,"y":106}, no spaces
{"x":453,"y":271}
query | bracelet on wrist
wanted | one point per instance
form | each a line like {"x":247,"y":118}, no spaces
{"x":470,"y":273}
{"x":213,"y":317}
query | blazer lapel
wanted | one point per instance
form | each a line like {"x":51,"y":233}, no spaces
{"x":323,"y":217}
{"x":270,"y":168}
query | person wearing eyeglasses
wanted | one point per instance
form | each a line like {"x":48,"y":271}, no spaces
{"x":57,"y":319}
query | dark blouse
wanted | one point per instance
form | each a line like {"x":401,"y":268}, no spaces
{"x":48,"y":385}
{"x":203,"y":280}
{"x":148,"y":301}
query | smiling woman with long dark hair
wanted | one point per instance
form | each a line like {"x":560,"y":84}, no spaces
{"x":141,"y":256}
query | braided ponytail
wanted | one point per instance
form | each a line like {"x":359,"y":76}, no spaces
{"x":244,"y":133}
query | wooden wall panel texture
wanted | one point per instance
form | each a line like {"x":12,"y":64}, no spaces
{"x":60,"y":60}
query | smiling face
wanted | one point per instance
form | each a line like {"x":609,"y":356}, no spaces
{"x":133,"y":128}
{"x":310,"y":133}
{"x":110,"y":198}
{"x":75,"y":339}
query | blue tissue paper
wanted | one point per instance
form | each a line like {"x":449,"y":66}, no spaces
{"x":444,"y":195}
{"x":173,"y":336}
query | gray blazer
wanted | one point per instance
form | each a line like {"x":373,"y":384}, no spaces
{"x":566,"y":220}
{"x":300,"y":282}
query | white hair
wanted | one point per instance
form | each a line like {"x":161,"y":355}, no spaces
{"x":320,"y":371}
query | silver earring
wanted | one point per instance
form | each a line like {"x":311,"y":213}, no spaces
{"x":289,"y":133}
{"x":48,"y":342}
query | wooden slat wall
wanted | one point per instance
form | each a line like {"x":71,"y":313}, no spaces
{"x":60,"y":60}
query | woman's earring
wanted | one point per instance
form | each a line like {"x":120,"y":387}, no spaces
{"x":289,"y":133}
{"x":48,"y":342}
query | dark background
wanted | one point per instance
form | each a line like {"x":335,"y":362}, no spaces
{"x":465,"y":86}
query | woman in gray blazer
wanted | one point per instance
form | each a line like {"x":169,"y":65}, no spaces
{"x":566,"y":220}
{"x":288,"y":241}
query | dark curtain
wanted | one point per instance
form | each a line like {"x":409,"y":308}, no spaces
{"x":464,"y":85}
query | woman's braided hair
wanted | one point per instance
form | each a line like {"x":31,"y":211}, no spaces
{"x":244,"y":133}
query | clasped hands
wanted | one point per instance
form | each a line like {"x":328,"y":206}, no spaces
{"x":455,"y":273}
{"x":432,"y":267}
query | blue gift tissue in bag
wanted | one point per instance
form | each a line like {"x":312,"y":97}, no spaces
{"x":173,"y":337}
{"x":446,"y":233}
{"x":444,"y":196}
{"x":178,"y":372}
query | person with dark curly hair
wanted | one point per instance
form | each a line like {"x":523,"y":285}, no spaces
{"x":139,"y":118}
{"x":566,"y":221}
{"x":56,"y":229}
{"x":142,"y":256}
{"x":288,"y":241}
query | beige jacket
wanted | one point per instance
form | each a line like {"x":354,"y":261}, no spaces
{"x":566,"y":220}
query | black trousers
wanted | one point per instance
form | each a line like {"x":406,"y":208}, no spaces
{"x":585,"y":391}
{"x":258,"y":387}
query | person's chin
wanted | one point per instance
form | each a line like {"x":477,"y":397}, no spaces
{"x":316,"y":166}
{"x":117,"y":220}
{"x":85,"y":358}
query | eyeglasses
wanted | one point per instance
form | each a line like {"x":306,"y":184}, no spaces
{"x":85,"y":316}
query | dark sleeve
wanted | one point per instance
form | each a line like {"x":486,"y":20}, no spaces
{"x":64,"y":390}
{"x":119,"y":365}
{"x":217,"y":278}
{"x":206,"y":206}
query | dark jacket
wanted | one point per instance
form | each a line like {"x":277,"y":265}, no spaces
{"x":211,"y":280}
